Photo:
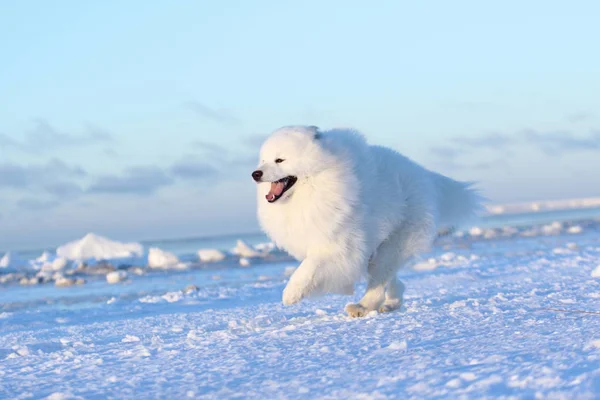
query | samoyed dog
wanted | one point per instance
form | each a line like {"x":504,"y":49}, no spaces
{"x":349,"y":210}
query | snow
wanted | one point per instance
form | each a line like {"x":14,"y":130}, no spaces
{"x":96,"y":247}
{"x":210,"y":255}
{"x":513,"y":314}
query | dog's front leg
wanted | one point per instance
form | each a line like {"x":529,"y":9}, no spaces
{"x":301,"y":284}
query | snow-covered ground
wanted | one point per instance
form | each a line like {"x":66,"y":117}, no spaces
{"x":491,"y":313}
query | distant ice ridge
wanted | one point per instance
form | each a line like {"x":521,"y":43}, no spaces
{"x":553,"y":229}
{"x":95,"y":255}
{"x":96,"y":247}
{"x":545,"y":205}
{"x":243,"y":250}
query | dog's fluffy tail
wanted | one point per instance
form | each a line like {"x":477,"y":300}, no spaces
{"x":459,"y":203}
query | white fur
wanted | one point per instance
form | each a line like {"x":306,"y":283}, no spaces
{"x":356,"y":211}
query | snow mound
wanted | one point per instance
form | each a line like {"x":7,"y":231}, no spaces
{"x":244,"y":262}
{"x":158,"y":258}
{"x":265,"y":247}
{"x":5,"y":260}
{"x":476,"y":231}
{"x":96,"y":247}
{"x":210,"y":255}
{"x":44,"y":258}
{"x":116,"y":277}
{"x":554,"y":228}
{"x":244,"y":250}
{"x":57,"y":264}
{"x":12,"y":260}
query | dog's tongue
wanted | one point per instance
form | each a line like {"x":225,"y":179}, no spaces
{"x":276,"y":189}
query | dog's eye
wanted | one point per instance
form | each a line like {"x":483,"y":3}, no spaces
{"x":279,"y":161}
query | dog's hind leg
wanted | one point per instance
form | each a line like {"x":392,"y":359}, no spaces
{"x":397,"y":250}
{"x":374,"y":296}
{"x":393,"y":295}
{"x":382,"y":268}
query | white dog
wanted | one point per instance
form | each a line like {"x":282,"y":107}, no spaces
{"x":349,"y":210}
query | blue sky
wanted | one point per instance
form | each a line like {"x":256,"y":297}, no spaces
{"x":142,"y":119}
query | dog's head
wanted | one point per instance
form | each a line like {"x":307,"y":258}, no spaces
{"x":290,"y":154}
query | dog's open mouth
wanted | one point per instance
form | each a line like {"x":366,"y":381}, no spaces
{"x":279,"y":187}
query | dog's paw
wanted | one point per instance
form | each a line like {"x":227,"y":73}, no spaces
{"x":390,"y":305}
{"x":357,"y":310}
{"x":291,"y":295}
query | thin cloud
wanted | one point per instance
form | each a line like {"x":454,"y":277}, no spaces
{"x":553,"y":143}
{"x":484,"y":165}
{"x":255,"y":140}
{"x":112,"y":153}
{"x":134,"y":181}
{"x":244,"y":161}
{"x":43,"y":136}
{"x":33,"y":204}
{"x":446,"y":152}
{"x":192,"y":170}
{"x":489,"y":140}
{"x":23,"y":177}
{"x":6,"y":141}
{"x":220,"y":116}
{"x":209,"y":147}
{"x":561,"y":142}
{"x":63,"y":190}
{"x":210,"y":150}
{"x":579,"y":117}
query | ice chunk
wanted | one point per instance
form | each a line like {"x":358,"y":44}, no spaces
{"x":96,"y":247}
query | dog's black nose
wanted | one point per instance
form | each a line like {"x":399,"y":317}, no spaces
{"x":256,"y":175}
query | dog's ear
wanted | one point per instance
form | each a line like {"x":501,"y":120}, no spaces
{"x":317,"y":133}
